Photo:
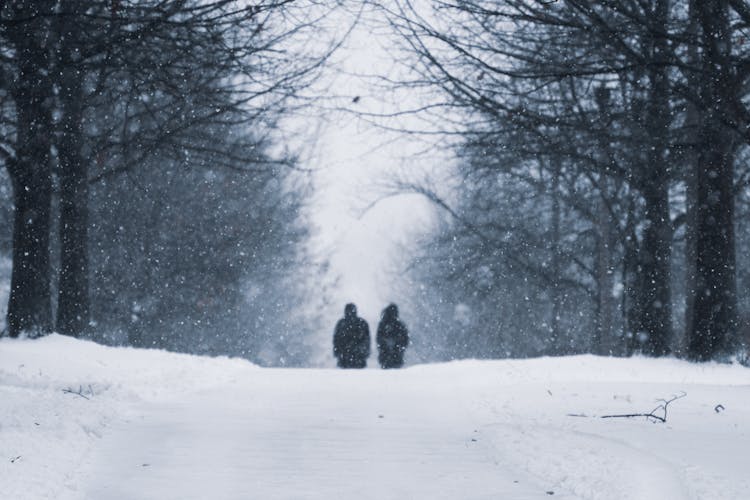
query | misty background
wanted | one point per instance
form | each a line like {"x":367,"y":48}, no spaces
{"x":522,"y":178}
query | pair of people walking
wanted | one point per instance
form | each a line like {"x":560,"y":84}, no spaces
{"x":351,"y":339}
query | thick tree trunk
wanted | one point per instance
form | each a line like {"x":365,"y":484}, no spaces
{"x":692,"y":123}
{"x":714,"y":308}
{"x":655,"y":260}
{"x":29,"y":305}
{"x":656,"y":249}
{"x":73,"y":293}
{"x":691,"y":259}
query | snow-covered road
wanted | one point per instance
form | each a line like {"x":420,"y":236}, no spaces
{"x":158,"y":425}
{"x":319,"y":434}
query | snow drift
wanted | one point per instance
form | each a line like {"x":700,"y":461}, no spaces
{"x":80,"y":420}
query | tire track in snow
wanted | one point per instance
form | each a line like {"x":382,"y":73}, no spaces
{"x":306,"y":435}
{"x":614,"y":470}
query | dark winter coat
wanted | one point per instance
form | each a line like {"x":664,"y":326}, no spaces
{"x":351,"y":341}
{"x":392,"y":339}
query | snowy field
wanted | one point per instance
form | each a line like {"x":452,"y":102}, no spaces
{"x":79,"y":420}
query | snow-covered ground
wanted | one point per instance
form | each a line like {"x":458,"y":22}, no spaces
{"x":79,"y":420}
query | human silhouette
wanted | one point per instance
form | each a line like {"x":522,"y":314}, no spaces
{"x":392,"y":339}
{"x":351,"y":340}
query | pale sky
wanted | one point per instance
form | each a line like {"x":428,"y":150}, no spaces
{"x":354,"y":161}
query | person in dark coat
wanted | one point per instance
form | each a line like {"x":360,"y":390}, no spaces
{"x":392,"y":338}
{"x":351,"y":340}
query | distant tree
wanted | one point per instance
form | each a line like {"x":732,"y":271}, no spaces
{"x":643,"y":100}
{"x":195,"y":257}
{"x":508,"y":280}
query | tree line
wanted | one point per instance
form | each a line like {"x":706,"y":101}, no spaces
{"x":148,"y":193}
{"x":597,"y":199}
{"x":599,"y":194}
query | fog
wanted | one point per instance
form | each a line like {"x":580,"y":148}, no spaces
{"x":521,"y":180}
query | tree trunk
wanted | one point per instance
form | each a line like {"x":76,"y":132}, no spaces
{"x":655,"y":261}
{"x":692,"y":123}
{"x":691,"y":259}
{"x":657,"y":237}
{"x":632,"y":277}
{"x":29,"y":305}
{"x":73,"y":293}
{"x":714,"y":308}
{"x":556,"y":268}
{"x":602,"y":341}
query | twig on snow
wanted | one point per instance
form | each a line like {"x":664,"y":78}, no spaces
{"x":662,"y":408}
{"x":79,"y":392}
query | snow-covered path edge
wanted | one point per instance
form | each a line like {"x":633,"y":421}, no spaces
{"x":47,"y":431}
{"x":49,"y":439}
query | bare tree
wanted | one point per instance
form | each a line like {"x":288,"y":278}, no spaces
{"x":132,"y":81}
{"x":573,"y":82}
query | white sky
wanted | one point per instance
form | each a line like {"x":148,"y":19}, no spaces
{"x":353,"y":164}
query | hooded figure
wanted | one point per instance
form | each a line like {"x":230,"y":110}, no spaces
{"x":351,"y":340}
{"x":392,"y":339}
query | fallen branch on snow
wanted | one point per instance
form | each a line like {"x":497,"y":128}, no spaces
{"x":658,"y":414}
{"x":79,"y":392}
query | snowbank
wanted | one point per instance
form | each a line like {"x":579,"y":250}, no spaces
{"x":47,"y":429}
{"x":535,"y":418}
